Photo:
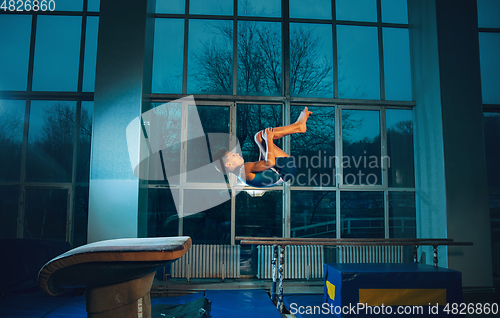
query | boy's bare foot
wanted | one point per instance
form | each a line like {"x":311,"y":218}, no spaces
{"x":302,"y":120}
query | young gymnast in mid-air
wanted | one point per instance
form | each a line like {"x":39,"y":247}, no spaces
{"x":274,"y":166}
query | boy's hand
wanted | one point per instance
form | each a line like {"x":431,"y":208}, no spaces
{"x":270,"y":134}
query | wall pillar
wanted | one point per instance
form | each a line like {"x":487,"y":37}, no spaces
{"x":451,"y":184}
{"x":118,"y":200}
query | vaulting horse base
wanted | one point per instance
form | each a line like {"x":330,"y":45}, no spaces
{"x":128,"y":300}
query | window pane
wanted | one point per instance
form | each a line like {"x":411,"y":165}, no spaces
{"x":311,"y":60}
{"x":395,"y":11}
{"x":210,"y":62}
{"x":487,"y":13}
{"x":313,"y":214}
{"x":402,"y":220}
{"x":11,"y":138}
{"x":314,"y":151}
{"x":319,"y":9}
{"x":259,"y":58}
{"x":57,"y":53}
{"x":168,"y":56}
{"x":84,"y":142}
{"x":73,"y":5}
{"x":252,"y":119}
{"x":358,"y":62}
{"x":397,"y":71}
{"x":162,"y":214}
{"x":259,"y":216}
{"x":361,"y":157}
{"x":212,"y":226}
{"x":259,"y":8}
{"x":495,"y":233}
{"x":163,"y":128}
{"x":94,"y":5}
{"x":492,"y":148}
{"x":81,"y":216}
{"x":45,"y":214}
{"x":356,"y":10}
{"x":90,"y":54}
{"x":489,"y":48}
{"x":50,"y":141}
{"x":170,"y":6}
{"x":402,"y":215}
{"x":399,"y":125}
{"x":15,"y":51}
{"x":9,"y":201}
{"x":219,"y":7}
{"x":362,"y":214}
{"x":495,"y":219}
{"x":204,"y":120}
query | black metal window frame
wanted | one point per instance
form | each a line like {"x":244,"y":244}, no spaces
{"x":29,"y":95}
{"x":286,"y":100}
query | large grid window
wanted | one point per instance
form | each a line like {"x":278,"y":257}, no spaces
{"x":489,"y":49}
{"x":257,"y":64}
{"x":250,"y":65}
{"x":46,"y":109}
{"x":239,"y":48}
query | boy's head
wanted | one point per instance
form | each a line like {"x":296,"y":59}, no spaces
{"x":230,"y":160}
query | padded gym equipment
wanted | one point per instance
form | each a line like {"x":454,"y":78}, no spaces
{"x":117,"y":274}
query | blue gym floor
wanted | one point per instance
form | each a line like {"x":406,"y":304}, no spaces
{"x":225,"y":304}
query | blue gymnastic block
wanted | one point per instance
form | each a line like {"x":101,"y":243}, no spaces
{"x":364,"y":290}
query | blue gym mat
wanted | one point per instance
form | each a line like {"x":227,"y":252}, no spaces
{"x":225,"y":304}
{"x":37,"y":305}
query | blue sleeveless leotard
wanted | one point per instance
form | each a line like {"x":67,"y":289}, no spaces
{"x":283,"y":170}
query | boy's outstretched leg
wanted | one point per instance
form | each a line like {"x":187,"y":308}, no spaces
{"x":302,"y":120}
{"x":300,"y":126}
